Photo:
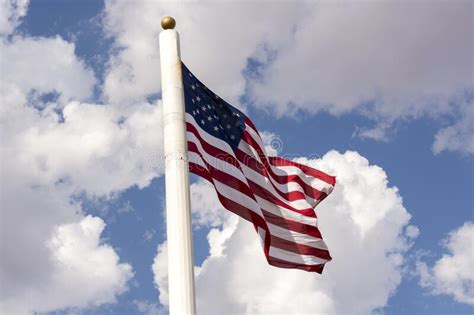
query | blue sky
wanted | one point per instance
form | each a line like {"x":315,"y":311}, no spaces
{"x":414,"y":123}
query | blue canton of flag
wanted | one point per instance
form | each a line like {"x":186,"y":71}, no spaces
{"x":212,"y":113}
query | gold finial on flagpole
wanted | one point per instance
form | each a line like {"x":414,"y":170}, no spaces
{"x":168,"y":23}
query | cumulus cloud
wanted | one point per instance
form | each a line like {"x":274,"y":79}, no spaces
{"x":41,"y":170}
{"x":55,"y":145}
{"x":365,"y":226}
{"x":452,"y":274}
{"x":79,"y":149}
{"x":44,"y":163}
{"x":83,"y":272}
{"x":53,"y":56}
{"x":91,"y":147}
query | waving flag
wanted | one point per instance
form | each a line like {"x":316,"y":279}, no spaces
{"x":278,"y":196}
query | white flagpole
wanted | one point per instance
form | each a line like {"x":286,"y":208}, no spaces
{"x":178,"y":210}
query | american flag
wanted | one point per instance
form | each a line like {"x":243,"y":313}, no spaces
{"x":277,"y":195}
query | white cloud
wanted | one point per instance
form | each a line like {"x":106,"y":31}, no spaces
{"x":363,"y":224}
{"x":208,"y":42}
{"x":98,"y":149}
{"x":148,"y":235}
{"x":272,"y":143}
{"x":52,"y":149}
{"x":407,"y":57}
{"x":148,"y":308}
{"x":453,"y":274}
{"x":160,"y":272}
{"x":11,"y":11}
{"x":44,"y":162}
{"x":379,"y":132}
{"x":83,"y":272}
{"x":459,"y":137}
{"x":390,"y":61}
{"x":412,"y":231}
{"x":45,"y":65}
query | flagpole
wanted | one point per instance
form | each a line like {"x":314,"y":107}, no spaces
{"x":178,"y":210}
